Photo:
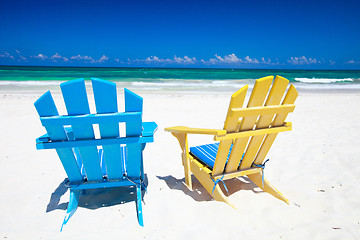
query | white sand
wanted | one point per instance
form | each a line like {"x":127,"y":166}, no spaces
{"x":316,"y":166}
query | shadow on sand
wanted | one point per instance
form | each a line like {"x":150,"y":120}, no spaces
{"x":95,"y":198}
{"x":200,"y":194}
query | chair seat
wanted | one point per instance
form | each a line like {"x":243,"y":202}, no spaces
{"x":207,"y":153}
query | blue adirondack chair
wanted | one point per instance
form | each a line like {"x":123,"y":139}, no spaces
{"x":109,"y":161}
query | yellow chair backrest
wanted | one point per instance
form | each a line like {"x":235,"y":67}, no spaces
{"x":260,"y":120}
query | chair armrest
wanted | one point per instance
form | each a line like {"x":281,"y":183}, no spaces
{"x":149,"y":128}
{"x":188,"y":130}
{"x":43,"y":138}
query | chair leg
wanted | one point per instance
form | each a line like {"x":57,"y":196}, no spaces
{"x":205,"y":180}
{"x":139,"y":206}
{"x":182,"y":138}
{"x":73,"y":204}
{"x":257,"y":179}
{"x":187,"y":171}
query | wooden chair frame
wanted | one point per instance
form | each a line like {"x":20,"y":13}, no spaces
{"x":250,"y":130}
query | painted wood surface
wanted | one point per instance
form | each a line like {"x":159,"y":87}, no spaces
{"x":133,"y":103}
{"x":45,"y":107}
{"x":110,"y":161}
{"x":106,"y":102}
{"x":257,"y":98}
{"x":290,"y":98}
{"x":251,"y":130}
{"x":76,"y":102}
{"x":275,"y":95}
{"x":237,"y":101}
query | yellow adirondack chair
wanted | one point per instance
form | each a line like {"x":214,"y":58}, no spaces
{"x":235,"y":155}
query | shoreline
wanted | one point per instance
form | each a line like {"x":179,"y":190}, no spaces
{"x":178,"y":87}
{"x":37,"y":91}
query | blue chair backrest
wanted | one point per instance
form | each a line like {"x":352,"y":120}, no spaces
{"x":94,"y":162}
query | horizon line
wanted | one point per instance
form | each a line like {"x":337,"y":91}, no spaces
{"x":225,"y":68}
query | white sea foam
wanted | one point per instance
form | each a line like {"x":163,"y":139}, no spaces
{"x":192,"y":85}
{"x":323,"y":80}
{"x":30,"y":83}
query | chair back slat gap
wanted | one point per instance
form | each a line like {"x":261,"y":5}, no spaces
{"x":105,"y":96}
{"x":76,"y":102}
{"x":92,"y":150}
{"x":257,"y":97}
{"x":133,"y":164}
{"x":46,"y":107}
{"x":279,"y":119}
{"x":237,"y":101}
{"x":275,"y":95}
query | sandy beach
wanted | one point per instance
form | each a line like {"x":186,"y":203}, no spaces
{"x":315,"y":166}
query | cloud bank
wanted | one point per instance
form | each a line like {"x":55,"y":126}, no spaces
{"x":229,"y":60}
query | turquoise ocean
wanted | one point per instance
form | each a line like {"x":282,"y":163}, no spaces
{"x":177,"y":79}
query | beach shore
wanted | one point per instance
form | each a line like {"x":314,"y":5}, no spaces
{"x":316,"y":166}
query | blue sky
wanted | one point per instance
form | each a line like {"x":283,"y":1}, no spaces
{"x":234,"y":34}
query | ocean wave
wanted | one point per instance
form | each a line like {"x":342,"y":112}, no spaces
{"x":30,"y":83}
{"x":193,"y":83}
{"x":323,"y":80}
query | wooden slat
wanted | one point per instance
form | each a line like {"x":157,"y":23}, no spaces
{"x":236,"y":174}
{"x":133,"y":103}
{"x":257,"y":98}
{"x":45,"y":107}
{"x":285,"y":127}
{"x":106,"y":102}
{"x":89,"y":119}
{"x":94,"y":142}
{"x":237,"y":100}
{"x":274,"y":98}
{"x":290,"y":98}
{"x":104,"y":184}
{"x":188,"y":130}
{"x":76,"y":102}
{"x":263,"y":110}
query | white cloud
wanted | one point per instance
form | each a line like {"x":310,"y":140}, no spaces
{"x":352,"y":62}
{"x":103,"y":59}
{"x":176,"y":60}
{"x":303,"y":60}
{"x":56,"y":56}
{"x":185,"y":60}
{"x":89,"y":59}
{"x":268,"y":61}
{"x":249,"y":60}
{"x":227,"y":59}
{"x":6,"y":55}
{"x":82,"y":58}
{"x":154,"y":59}
{"x":40,"y":56}
{"x":233,"y":59}
{"x":211,"y":61}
